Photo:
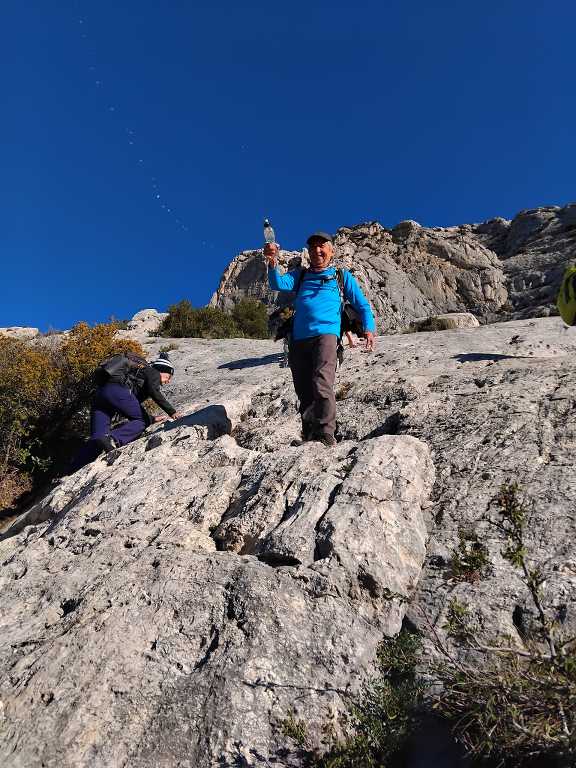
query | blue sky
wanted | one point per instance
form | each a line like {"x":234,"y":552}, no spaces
{"x":315,"y":114}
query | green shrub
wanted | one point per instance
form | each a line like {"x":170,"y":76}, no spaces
{"x":121,"y":325}
{"x":251,"y":318}
{"x":379,"y":721}
{"x":29,"y":383}
{"x":184,"y":320}
{"x":248,"y":319}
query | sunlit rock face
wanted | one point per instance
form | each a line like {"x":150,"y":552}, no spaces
{"x":173,"y":602}
{"x":496,"y":270}
{"x":20,"y":332}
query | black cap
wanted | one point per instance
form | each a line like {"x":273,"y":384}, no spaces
{"x":321,"y":235}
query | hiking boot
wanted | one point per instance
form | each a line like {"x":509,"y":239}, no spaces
{"x":328,"y":440}
{"x":107,"y":443}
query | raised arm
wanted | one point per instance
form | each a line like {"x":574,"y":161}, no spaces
{"x":276,"y":280}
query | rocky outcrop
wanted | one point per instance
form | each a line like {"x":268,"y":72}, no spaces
{"x":535,"y":248}
{"x":172,"y":603}
{"x":496,"y":270}
{"x":446,"y":322}
{"x":20,"y":332}
{"x":144,"y":323}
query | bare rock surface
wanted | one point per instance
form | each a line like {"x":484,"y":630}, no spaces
{"x":493,"y":404}
{"x":170,"y":604}
{"x":535,"y":248}
{"x":143,"y":324}
{"x":496,"y":270}
{"x":19,"y":332}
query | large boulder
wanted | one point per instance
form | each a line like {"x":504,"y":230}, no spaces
{"x":448,"y":322}
{"x":143,"y":325}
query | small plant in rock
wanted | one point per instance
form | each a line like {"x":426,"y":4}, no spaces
{"x":168,"y":348}
{"x":344,"y":390}
{"x":516,"y":703}
{"x":458,"y":624}
{"x":380,"y":720}
{"x":294,"y":729}
{"x":469,"y":561}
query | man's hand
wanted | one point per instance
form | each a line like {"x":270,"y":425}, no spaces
{"x":160,"y":419}
{"x":369,"y":336}
{"x":176,"y":416}
{"x":271,"y":251}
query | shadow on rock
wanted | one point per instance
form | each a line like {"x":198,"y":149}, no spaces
{"x":472,"y":357}
{"x":251,"y":362}
{"x":214,"y":417}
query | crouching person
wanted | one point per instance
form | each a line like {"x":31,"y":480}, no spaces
{"x":122,"y":394}
{"x":124,"y":399}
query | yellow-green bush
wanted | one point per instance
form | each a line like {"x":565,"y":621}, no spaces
{"x":45,"y":387}
{"x":28,"y":384}
{"x":84,"y":348}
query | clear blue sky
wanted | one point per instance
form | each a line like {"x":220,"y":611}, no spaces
{"x":315,"y":114}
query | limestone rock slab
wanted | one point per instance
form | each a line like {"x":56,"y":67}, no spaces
{"x":128,"y":639}
{"x":20,"y":332}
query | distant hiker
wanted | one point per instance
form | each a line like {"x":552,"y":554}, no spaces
{"x":122,"y":388}
{"x":317,"y":329}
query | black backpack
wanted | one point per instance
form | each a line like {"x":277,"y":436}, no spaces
{"x":121,"y":369}
{"x":350,"y":320}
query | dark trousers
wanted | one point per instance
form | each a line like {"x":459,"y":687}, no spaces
{"x":111,"y":400}
{"x":313,"y":365}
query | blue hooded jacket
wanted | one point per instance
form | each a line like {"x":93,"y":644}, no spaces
{"x":318,"y":305}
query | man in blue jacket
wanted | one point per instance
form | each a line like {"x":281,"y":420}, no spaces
{"x":313,"y":350}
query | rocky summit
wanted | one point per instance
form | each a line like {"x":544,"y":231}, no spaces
{"x":172,"y":603}
{"x":497,"y":270}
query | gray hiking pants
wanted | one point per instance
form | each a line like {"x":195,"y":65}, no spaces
{"x":313,"y":365}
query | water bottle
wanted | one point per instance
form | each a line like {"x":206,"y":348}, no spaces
{"x":269,"y":236}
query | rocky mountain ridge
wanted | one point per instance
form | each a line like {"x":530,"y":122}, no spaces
{"x":171,"y":603}
{"x":497,"y":270}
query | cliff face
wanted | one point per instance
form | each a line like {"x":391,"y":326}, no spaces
{"x":497,"y":270}
{"x":172,"y":603}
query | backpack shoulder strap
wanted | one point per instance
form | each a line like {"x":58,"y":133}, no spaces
{"x":340,"y":279}
{"x":303,"y":271}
